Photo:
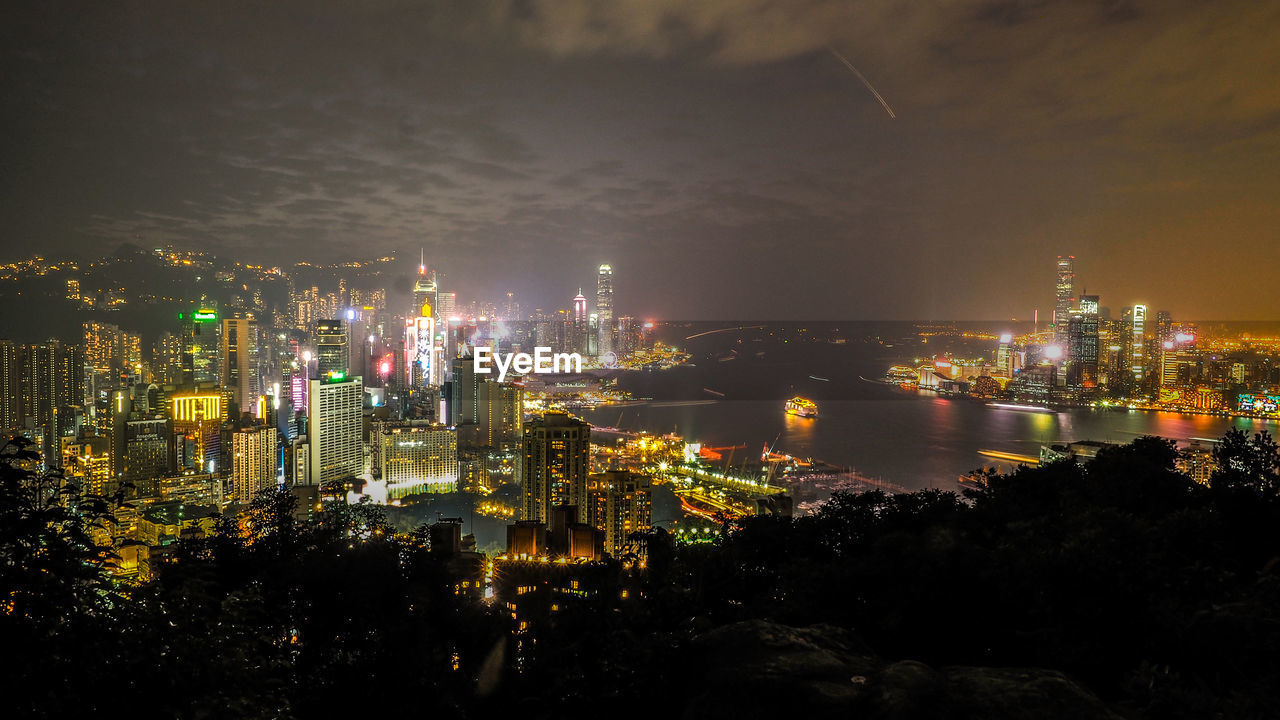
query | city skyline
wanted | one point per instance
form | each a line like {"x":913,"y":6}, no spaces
{"x":524,"y":145}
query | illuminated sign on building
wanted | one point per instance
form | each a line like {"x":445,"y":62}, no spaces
{"x":204,"y":315}
{"x":1259,"y":404}
{"x":189,"y":408}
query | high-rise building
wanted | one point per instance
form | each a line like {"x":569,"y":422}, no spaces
{"x":416,"y":457}
{"x":166,"y":361}
{"x":500,"y":417}
{"x":239,"y":360}
{"x":1138,"y":339}
{"x":1063,"y":296}
{"x":255,"y":462}
{"x":200,"y":347}
{"x":197,"y":416}
{"x":335,"y":429}
{"x":464,"y":393}
{"x":10,"y":386}
{"x":148,"y":454}
{"x":331,"y":348}
{"x":102,"y":350}
{"x":581,"y":325}
{"x":446,"y":305}
{"x":424,"y":353}
{"x":424,"y":288}
{"x":604,"y":308}
{"x":1004,"y":356}
{"x":52,"y":392}
{"x":619,"y":503}
{"x":553,"y":465}
{"x":1082,"y":344}
{"x":88,"y":462}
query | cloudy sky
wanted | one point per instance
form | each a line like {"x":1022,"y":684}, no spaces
{"x":717,"y":153}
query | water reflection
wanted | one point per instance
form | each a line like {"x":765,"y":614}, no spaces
{"x":922,"y":442}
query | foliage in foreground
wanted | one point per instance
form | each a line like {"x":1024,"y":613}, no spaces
{"x":1160,"y":595}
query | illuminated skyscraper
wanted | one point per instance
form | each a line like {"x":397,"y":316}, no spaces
{"x":464,"y":393}
{"x":446,"y":305}
{"x":1004,"y":355}
{"x":553,"y":465}
{"x":424,"y":354}
{"x":500,"y":414}
{"x":10,"y":385}
{"x":1082,"y":344}
{"x":331,"y":347}
{"x":424,"y":288}
{"x":335,"y":429}
{"x":102,"y":350}
{"x":581,"y":326}
{"x":239,"y":360}
{"x":1138,"y":339}
{"x":255,"y":462}
{"x":52,"y":391}
{"x":166,"y":361}
{"x":200,"y":347}
{"x":1064,"y":295}
{"x":148,"y":454}
{"x":604,"y":308}
{"x":619,"y":503}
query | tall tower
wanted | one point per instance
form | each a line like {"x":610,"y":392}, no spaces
{"x":331,"y":347}
{"x":554,"y":465}
{"x":1064,"y":295}
{"x":240,"y":360}
{"x":1082,"y":344}
{"x":580,"y":325}
{"x":10,"y":385}
{"x":424,"y":288}
{"x":1137,"y":350}
{"x":604,"y":307}
{"x":200,"y":346}
{"x":335,"y":429}
{"x":255,"y":461}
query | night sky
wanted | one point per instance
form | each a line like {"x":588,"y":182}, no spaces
{"x":718,"y":154}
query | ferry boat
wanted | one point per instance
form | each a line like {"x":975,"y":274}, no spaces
{"x":802,"y":407}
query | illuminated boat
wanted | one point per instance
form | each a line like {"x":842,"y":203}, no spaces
{"x":802,"y":407}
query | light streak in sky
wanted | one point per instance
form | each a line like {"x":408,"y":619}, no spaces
{"x":864,"y":80}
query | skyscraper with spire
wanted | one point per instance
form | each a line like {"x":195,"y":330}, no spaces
{"x":424,"y":289}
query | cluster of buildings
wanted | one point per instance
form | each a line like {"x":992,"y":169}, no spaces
{"x":337,"y":397}
{"x":1091,"y":354}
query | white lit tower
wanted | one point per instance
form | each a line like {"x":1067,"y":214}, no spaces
{"x":580,"y":323}
{"x":604,"y":308}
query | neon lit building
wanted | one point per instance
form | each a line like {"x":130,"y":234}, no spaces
{"x":423,"y":355}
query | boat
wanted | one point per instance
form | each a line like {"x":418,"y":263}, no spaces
{"x":802,"y":407}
